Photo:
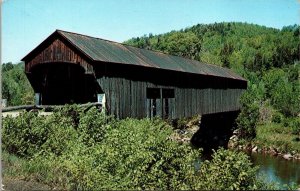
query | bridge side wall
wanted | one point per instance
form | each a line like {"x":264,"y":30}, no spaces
{"x":126,"y":96}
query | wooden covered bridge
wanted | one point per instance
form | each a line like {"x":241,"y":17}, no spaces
{"x":74,"y":68}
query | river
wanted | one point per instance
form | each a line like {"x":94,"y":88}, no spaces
{"x":277,"y":169}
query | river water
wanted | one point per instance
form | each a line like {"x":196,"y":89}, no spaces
{"x":277,"y":169}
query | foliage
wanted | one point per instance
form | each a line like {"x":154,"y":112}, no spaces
{"x":294,"y":124}
{"x":249,"y":115}
{"x":228,"y":170}
{"x":81,"y":150}
{"x":15,"y":86}
{"x":236,"y":45}
{"x":281,"y":136}
{"x":283,"y":94}
{"x":99,"y":152}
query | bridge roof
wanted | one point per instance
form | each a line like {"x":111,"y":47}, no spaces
{"x":101,"y":50}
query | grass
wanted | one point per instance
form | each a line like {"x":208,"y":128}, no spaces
{"x":278,"y":136}
{"x":12,"y":165}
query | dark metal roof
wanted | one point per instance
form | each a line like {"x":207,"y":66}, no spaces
{"x":108,"y":51}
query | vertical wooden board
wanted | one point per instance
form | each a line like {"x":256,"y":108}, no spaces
{"x":158,"y":107}
{"x":182,"y":112}
{"x":176,"y":91}
{"x":136,"y":94}
{"x":196,"y":101}
{"x":133,"y":99}
{"x":190,"y":105}
{"x":199,"y":101}
{"x":172,"y":108}
{"x":143,"y":99}
{"x":178,"y":99}
{"x":119,"y":97}
{"x":127,"y":97}
{"x":185,"y":102}
{"x":140,"y":105}
{"x":123,"y":98}
{"x":206,"y":100}
{"x":203,"y":101}
{"x":148,"y":103}
{"x":114,"y":96}
{"x":111,"y":99}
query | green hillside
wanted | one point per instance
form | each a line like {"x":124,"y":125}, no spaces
{"x":239,"y":46}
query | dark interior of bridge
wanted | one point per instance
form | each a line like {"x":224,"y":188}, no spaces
{"x":63,"y":83}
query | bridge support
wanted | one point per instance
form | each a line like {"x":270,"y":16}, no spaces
{"x":215,"y":130}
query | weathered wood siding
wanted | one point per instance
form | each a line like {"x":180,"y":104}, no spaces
{"x":127,"y":98}
{"x":58,"y":51}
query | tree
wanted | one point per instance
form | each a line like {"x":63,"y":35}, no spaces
{"x":15,"y":85}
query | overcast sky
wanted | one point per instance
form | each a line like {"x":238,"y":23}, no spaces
{"x":26,"y":23}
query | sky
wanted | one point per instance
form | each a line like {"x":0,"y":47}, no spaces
{"x":26,"y":23}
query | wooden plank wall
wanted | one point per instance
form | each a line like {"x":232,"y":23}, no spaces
{"x":127,"y":98}
{"x":58,"y":51}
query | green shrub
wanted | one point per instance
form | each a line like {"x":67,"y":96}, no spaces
{"x":294,"y":124}
{"x":247,"y":121}
{"x":249,"y":115}
{"x":228,"y":170}
{"x":138,"y":154}
{"x":93,"y":126}
{"x":24,"y":135}
{"x":79,"y":150}
{"x":93,"y":151}
{"x":277,"y":117}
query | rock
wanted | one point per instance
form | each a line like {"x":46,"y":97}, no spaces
{"x":273,"y":151}
{"x":297,"y":156}
{"x":254,"y":149}
{"x":258,"y":150}
{"x":235,"y":132}
{"x":287,"y":156}
{"x":233,"y":137}
{"x":185,"y":139}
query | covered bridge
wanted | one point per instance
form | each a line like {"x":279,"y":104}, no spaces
{"x":74,"y":68}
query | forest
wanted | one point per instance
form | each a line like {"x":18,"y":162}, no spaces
{"x":76,"y":149}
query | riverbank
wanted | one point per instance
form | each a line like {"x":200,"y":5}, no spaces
{"x":271,"y":138}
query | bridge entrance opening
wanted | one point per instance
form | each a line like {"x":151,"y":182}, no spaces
{"x":63,"y":83}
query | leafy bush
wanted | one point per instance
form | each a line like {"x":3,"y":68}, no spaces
{"x":15,"y":85}
{"x":92,"y":151}
{"x":24,"y":135}
{"x":249,"y":116}
{"x":228,"y":170}
{"x":294,"y":124}
{"x":93,"y":125}
{"x":277,"y":117}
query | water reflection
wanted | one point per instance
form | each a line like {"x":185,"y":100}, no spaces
{"x":277,"y":169}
